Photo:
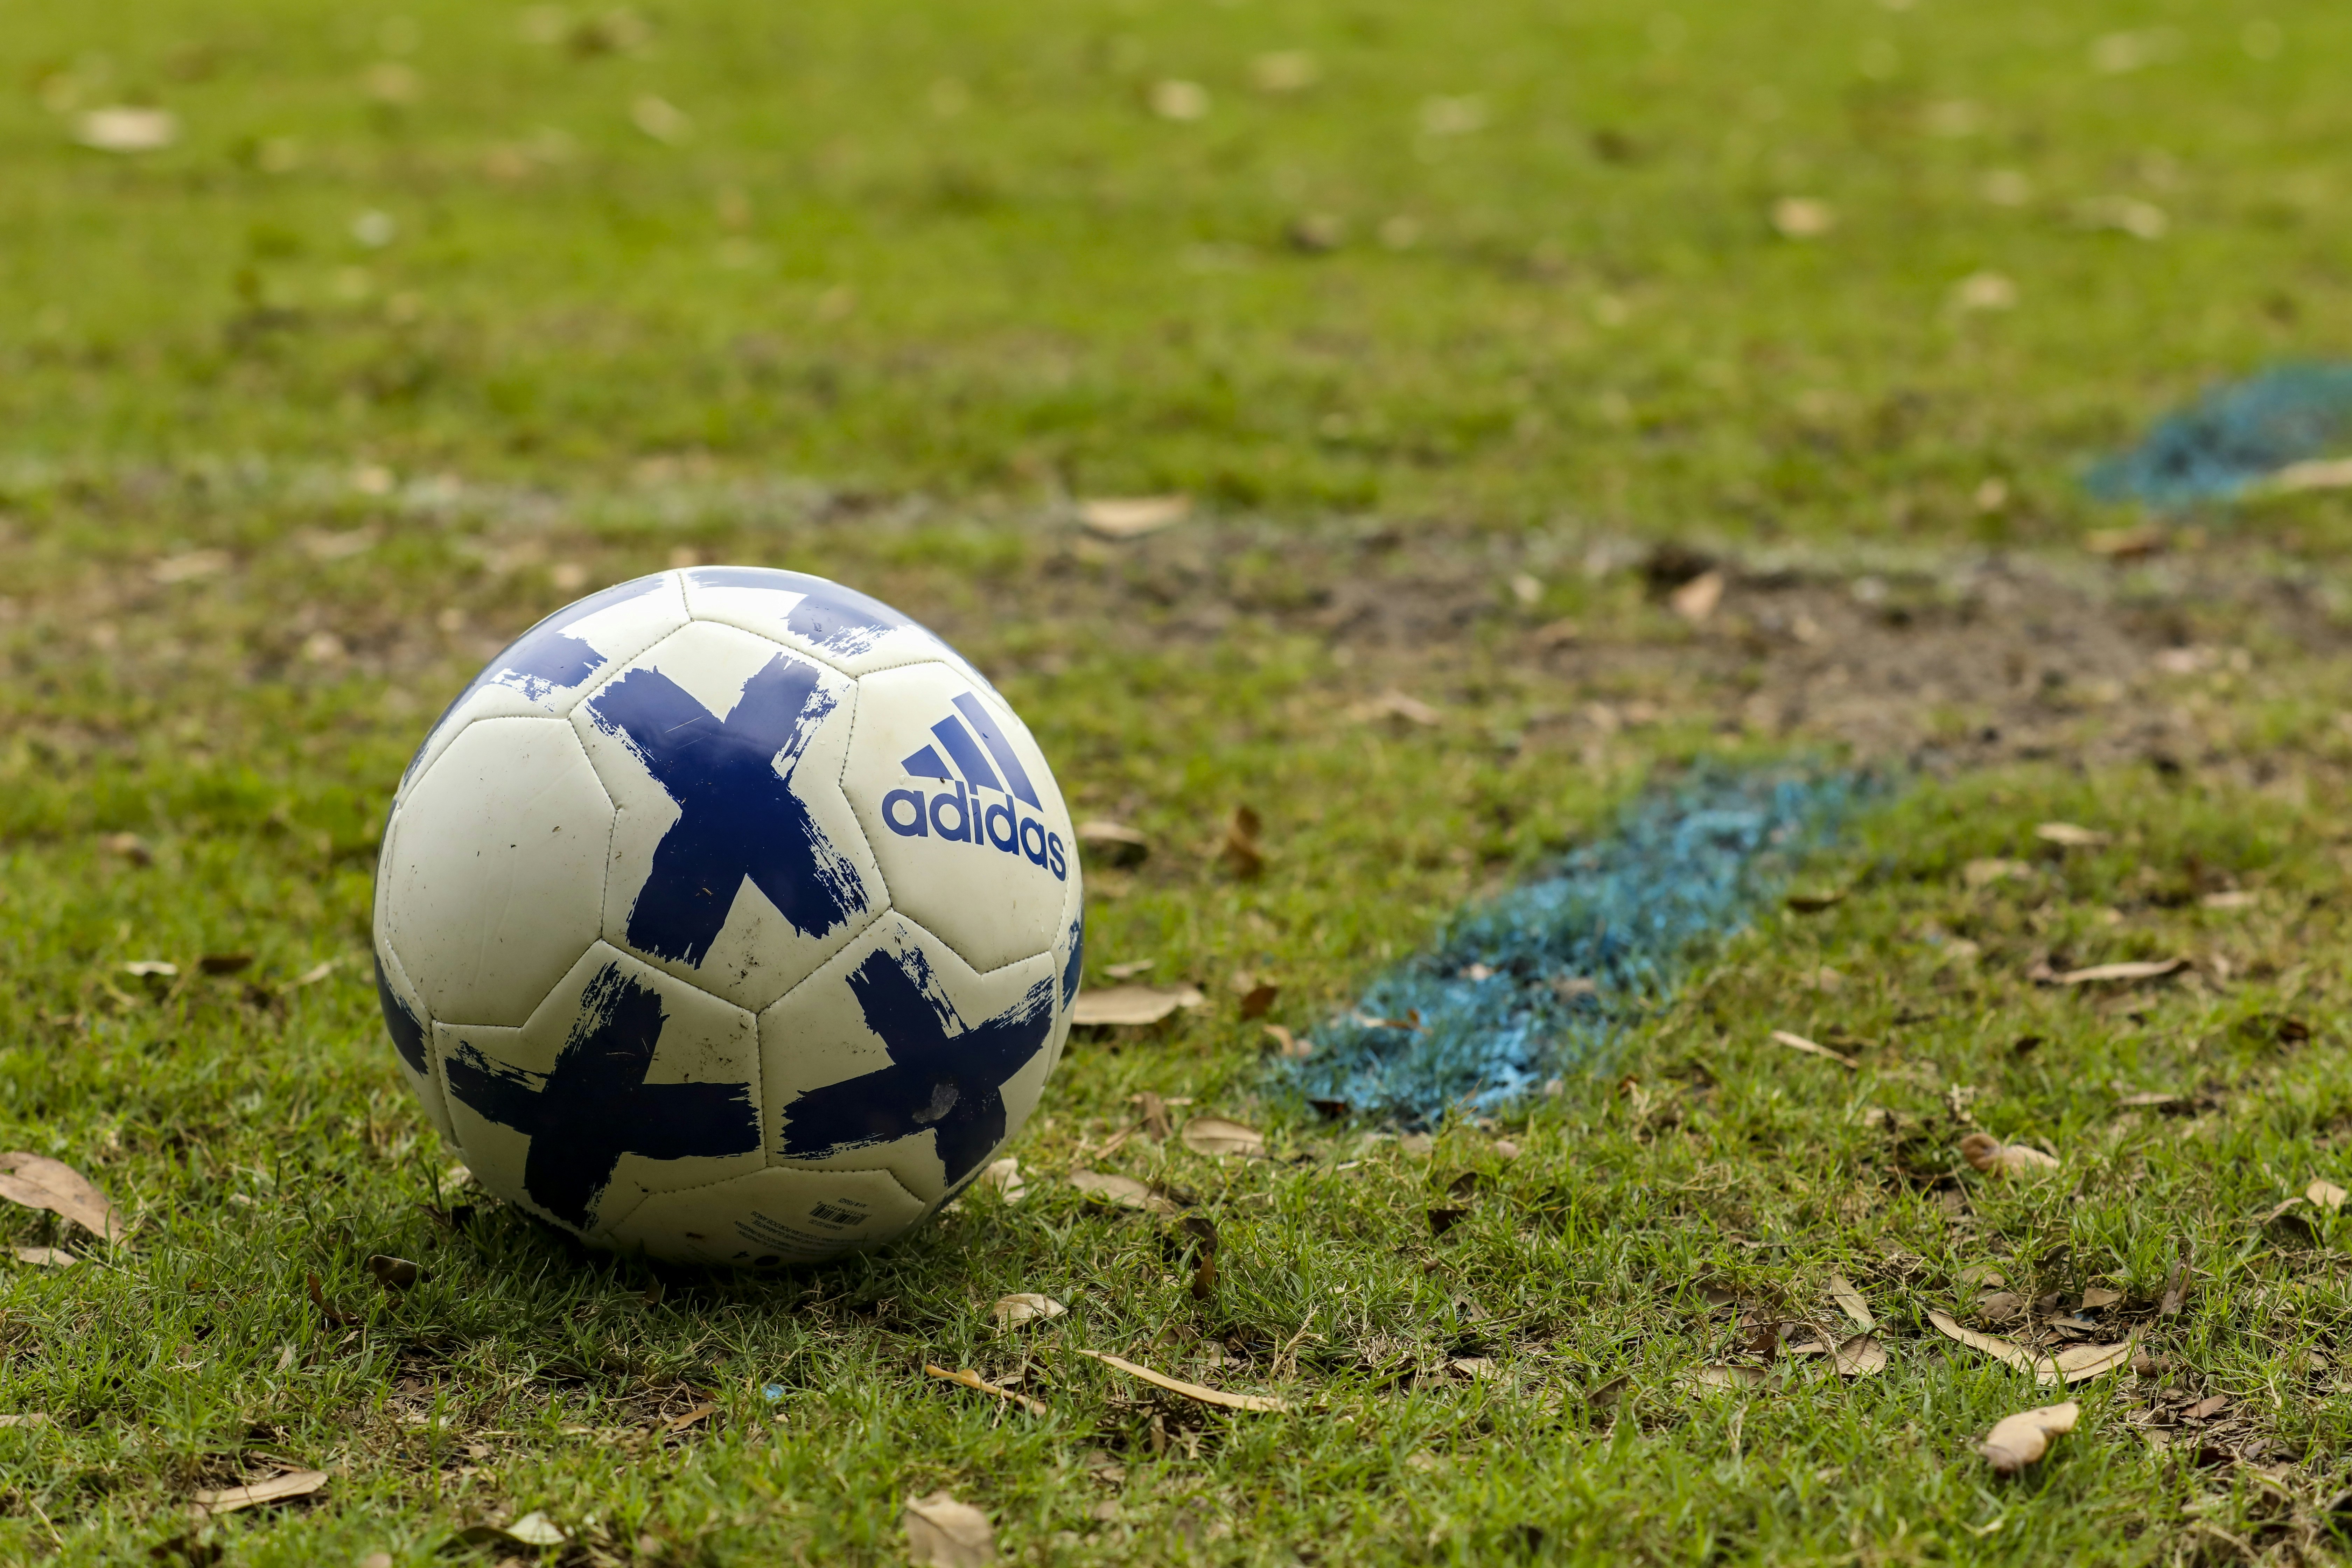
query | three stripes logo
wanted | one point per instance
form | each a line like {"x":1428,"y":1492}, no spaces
{"x":957,"y":814}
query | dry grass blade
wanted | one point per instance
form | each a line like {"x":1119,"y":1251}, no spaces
{"x":2149,"y":970}
{"x":1799,"y":1043}
{"x":1025,"y":1307}
{"x":1132,"y":517}
{"x":1213,"y":1135}
{"x":972,"y":1380}
{"x":1861,"y":1356}
{"x":1133,"y":1007}
{"x":1190,"y":1390}
{"x":944,"y":1534}
{"x":1851,"y":1304}
{"x":2070,"y":835}
{"x":277,"y":1488}
{"x":38,"y":1181}
{"x":2017,"y":1441}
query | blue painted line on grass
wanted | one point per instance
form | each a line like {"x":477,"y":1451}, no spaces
{"x":2234,"y":437}
{"x":1544,"y":979}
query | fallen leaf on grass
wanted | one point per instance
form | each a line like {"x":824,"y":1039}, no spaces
{"x":1696,"y":599}
{"x":2176,"y":1289}
{"x":1814,"y":903}
{"x":944,"y":1534}
{"x":1258,"y":1000}
{"x":127,"y":128}
{"x":277,"y":1488}
{"x":2155,"y":970}
{"x":1851,"y":1304}
{"x":1132,"y":517}
{"x":1125,"y":1191}
{"x":152,"y":969}
{"x":1721,"y":1375}
{"x":1990,"y":1155}
{"x":2070,"y":835}
{"x":2325,"y":1194}
{"x":1444,"y":1219}
{"x":1395,"y":704}
{"x":224,"y":962}
{"x":1288,"y":1044}
{"x":130,"y":846}
{"x":1132,"y":1006}
{"x":1799,"y":1043}
{"x":38,"y":1181}
{"x":1190,"y":1390}
{"x":392,"y":1273}
{"x":535,"y":1531}
{"x":2072,"y":1364}
{"x":1861,"y":1356}
{"x":693,"y":1417}
{"x":25,"y":1418}
{"x":1115,"y":843}
{"x":1004,"y":1176}
{"x":1130,"y":968}
{"x":2130,"y":544}
{"x":2017,"y":1441}
{"x":1025,"y":1307}
{"x":1241,"y":851}
{"x":968,"y":1379}
{"x":1984,"y":873}
{"x":46,"y":1257}
{"x":1215,"y":1136}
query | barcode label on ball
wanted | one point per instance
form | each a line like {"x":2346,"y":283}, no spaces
{"x":825,"y":1213}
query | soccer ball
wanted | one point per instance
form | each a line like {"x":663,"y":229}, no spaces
{"x":730,"y":916}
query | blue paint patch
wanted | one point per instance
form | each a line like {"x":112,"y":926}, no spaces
{"x":1075,"y":967}
{"x":837,"y":619}
{"x":737,"y":816}
{"x":1545,"y":978}
{"x":2234,"y":437}
{"x":596,"y":1106}
{"x":407,"y":1032}
{"x":943,"y":1074}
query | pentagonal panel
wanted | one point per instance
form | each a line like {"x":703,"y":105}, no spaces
{"x":839,"y":625}
{"x":543,"y":671}
{"x":624,"y":1081}
{"x":495,"y":866}
{"x":899,"y":1054}
{"x":780,"y":1216}
{"x":736,"y":860}
{"x":405,"y":1020}
{"x":961,"y":812}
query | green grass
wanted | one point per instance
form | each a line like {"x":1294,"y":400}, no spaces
{"x":916,"y":277}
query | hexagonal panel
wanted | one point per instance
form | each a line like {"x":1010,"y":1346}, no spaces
{"x":495,"y":866}
{"x":624,"y":1082}
{"x":736,"y":860}
{"x":963,"y":812}
{"x":899,"y":1054}
{"x":543,"y":671}
{"x":841,"y":627}
{"x":780,"y":1216}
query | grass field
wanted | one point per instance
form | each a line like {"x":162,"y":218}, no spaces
{"x":428,"y":319}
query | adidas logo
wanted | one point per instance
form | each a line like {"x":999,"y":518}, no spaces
{"x":955,"y":814}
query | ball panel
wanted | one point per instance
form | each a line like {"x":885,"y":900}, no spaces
{"x":496,"y":866}
{"x":543,"y":671}
{"x":779,"y":1216}
{"x":962,"y":814}
{"x":623,"y":1081}
{"x":839,"y":626}
{"x":899,"y":1054}
{"x":736,"y":860}
{"x":406,"y":1020}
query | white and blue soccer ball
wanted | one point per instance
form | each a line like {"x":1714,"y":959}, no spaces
{"x":730,"y":916}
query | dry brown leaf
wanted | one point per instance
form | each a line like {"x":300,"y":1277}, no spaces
{"x":1990,"y":1154}
{"x":1190,"y":1390}
{"x":1243,"y":855}
{"x":2072,"y":1364}
{"x":1721,"y":1375}
{"x":1125,"y":1191}
{"x":1214,"y":1135}
{"x":2001,"y":1350}
{"x":1130,"y":968}
{"x":2070,"y":835}
{"x":392,"y":1273}
{"x":40,"y":1183}
{"x":1851,"y":1304}
{"x":277,"y":1488}
{"x":1285,"y":1044}
{"x":1133,"y":1007}
{"x":25,"y":1418}
{"x":970,"y":1379}
{"x":1984,"y":873}
{"x":2140,"y":971}
{"x":1004,"y":1176}
{"x":1860,"y":1356}
{"x":1258,"y":1000}
{"x":127,"y":128}
{"x":1696,"y":599}
{"x":1113,"y":843}
{"x":1132,"y":517}
{"x":2130,"y":544}
{"x":1802,"y":217}
{"x":533,"y":1529}
{"x":152,"y":969}
{"x":944,"y":1534}
{"x":46,"y":1257}
{"x":1025,"y":1307}
{"x":2017,"y":1441}
{"x":1799,"y":1043}
{"x":2097,"y":1297}
{"x":1395,"y":704}
{"x":2325,"y":1194}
